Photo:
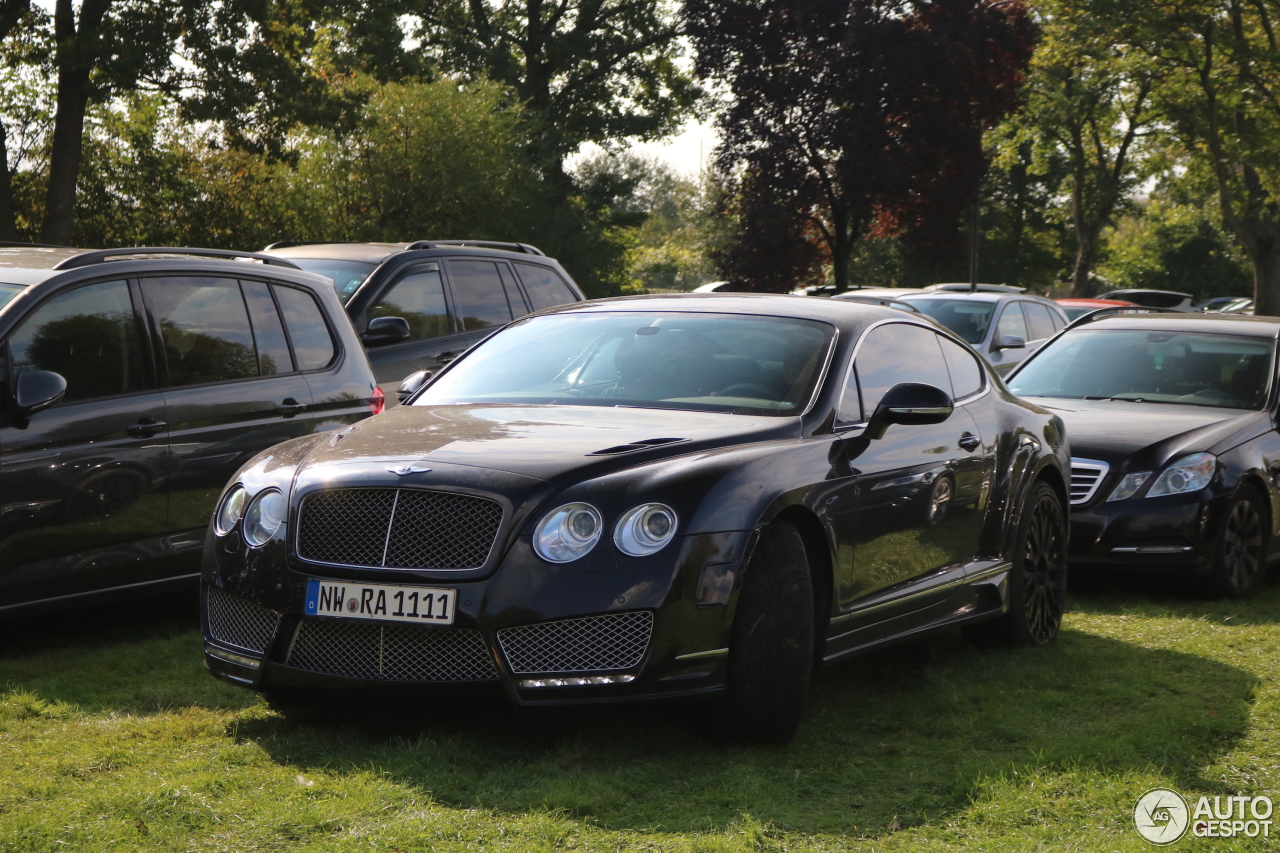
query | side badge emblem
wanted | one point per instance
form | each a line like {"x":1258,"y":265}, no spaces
{"x":401,"y":470}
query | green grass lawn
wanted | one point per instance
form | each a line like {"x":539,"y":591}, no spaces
{"x":112,"y":737}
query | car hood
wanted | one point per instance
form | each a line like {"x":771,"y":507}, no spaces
{"x":1146,"y":436}
{"x":545,"y":442}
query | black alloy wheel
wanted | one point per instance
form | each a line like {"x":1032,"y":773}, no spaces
{"x":1037,"y":595}
{"x":1238,"y":563}
{"x":771,"y":647}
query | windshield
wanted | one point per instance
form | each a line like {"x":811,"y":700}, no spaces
{"x":1225,"y":371}
{"x":968,"y":318}
{"x":8,"y":291}
{"x":694,"y":362}
{"x":346,"y":275}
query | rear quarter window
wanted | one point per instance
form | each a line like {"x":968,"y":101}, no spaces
{"x":313,"y":344}
{"x":545,"y":287}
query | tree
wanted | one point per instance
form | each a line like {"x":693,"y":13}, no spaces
{"x":1221,"y":93}
{"x":859,"y":115}
{"x":11,"y":12}
{"x":1089,"y":100}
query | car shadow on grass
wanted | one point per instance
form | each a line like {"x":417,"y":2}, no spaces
{"x":906,"y":737}
{"x":1147,"y":595}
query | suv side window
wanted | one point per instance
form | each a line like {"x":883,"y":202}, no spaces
{"x":479,"y":295}
{"x":966,"y":374}
{"x":888,"y":355}
{"x":1040,"y":321}
{"x":545,"y":287}
{"x":204,"y":329}
{"x":89,"y":335}
{"x":313,"y":344}
{"x":1012,"y":322}
{"x":418,"y":297}
{"x":268,"y":331}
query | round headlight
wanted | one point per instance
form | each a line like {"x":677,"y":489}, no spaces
{"x":645,"y":529}
{"x":265,"y":515}
{"x":230,"y":511}
{"x":567,"y":533}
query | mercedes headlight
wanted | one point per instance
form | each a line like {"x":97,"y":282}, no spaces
{"x":230,"y":511}
{"x":1128,"y":485}
{"x":645,"y":529}
{"x":1188,"y":474}
{"x":265,"y":516}
{"x":567,"y":533}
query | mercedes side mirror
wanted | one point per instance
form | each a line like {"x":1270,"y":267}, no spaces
{"x":38,"y":389}
{"x":385,"y":330}
{"x":412,"y":383}
{"x":910,"y":404}
{"x":1011,"y":342}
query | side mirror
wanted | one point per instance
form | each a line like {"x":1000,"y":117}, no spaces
{"x":910,"y":404}
{"x":412,"y":383}
{"x":38,"y":389}
{"x":1011,"y":342}
{"x":385,"y":330}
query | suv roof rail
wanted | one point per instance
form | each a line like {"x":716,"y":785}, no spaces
{"x":99,"y":256}
{"x":482,"y":244}
{"x":1111,"y":311}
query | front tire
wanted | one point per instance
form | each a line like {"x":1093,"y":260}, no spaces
{"x":1239,"y":558}
{"x":772,"y":642}
{"x":1037,"y":593}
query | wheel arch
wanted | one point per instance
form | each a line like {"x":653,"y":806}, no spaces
{"x":817,"y":550}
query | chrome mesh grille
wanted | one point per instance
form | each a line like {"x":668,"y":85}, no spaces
{"x":595,"y":643}
{"x":398,"y":528}
{"x":237,"y":622}
{"x":391,"y":652}
{"x":1086,"y":476}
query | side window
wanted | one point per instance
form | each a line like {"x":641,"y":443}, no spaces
{"x":514,"y":299}
{"x":312,"y":341}
{"x":1039,"y":321}
{"x":268,"y":332}
{"x":1012,"y":322}
{"x":418,"y":297}
{"x":898,"y":353}
{"x":89,"y":335}
{"x":966,"y":373}
{"x":480,"y":297}
{"x":545,"y":287}
{"x":204,"y":329}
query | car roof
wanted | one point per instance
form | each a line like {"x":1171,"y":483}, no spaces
{"x":1236,"y":324}
{"x":1099,"y":302}
{"x":26,"y":265}
{"x":980,"y":296}
{"x":376,"y":253}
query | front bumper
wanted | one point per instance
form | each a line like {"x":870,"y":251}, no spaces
{"x":1173,"y":535}
{"x":652,"y":627}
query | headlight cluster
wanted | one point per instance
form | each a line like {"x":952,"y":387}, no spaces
{"x":1188,"y":474}
{"x":261,"y":519}
{"x":571,"y":531}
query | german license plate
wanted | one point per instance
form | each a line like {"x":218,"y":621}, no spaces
{"x":382,"y":602}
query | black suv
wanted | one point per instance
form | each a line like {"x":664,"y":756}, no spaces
{"x":419,"y":305}
{"x":133,"y":384}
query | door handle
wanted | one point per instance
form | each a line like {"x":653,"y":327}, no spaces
{"x":969,"y":441}
{"x":290,"y":407}
{"x":146,"y":427}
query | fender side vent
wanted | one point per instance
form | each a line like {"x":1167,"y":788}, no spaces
{"x":635,"y":445}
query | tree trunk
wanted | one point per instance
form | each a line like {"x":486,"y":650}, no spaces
{"x":1086,"y":256}
{"x":8,"y":229}
{"x":1266,"y":277}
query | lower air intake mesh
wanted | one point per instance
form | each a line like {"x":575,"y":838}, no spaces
{"x":237,"y":622}
{"x":391,"y":652}
{"x":592,"y":644}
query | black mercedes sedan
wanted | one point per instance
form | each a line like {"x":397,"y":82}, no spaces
{"x":693,"y":496}
{"x":1173,"y":427}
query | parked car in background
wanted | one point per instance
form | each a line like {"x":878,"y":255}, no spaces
{"x":976,"y":288}
{"x":715,"y":287}
{"x":697,"y":496}
{"x":887,"y":296}
{"x":1169,"y":300}
{"x":135,"y":383}
{"x":1077,"y":308}
{"x":1217,"y":303}
{"x":417,"y":306}
{"x":1237,"y":306}
{"x":1172,"y":420}
{"x":1003,"y":327}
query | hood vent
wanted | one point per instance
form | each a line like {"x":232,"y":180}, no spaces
{"x":636,"y":445}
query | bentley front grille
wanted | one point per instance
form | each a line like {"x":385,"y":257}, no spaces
{"x":240,"y":623}
{"x":390,"y":652}
{"x":591,"y":644}
{"x":1086,"y":476}
{"x":397,"y":528}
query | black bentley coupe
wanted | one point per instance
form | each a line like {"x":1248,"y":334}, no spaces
{"x":693,"y":496}
{"x":1173,"y":424}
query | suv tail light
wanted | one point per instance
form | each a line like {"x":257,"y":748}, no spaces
{"x":378,"y":402}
